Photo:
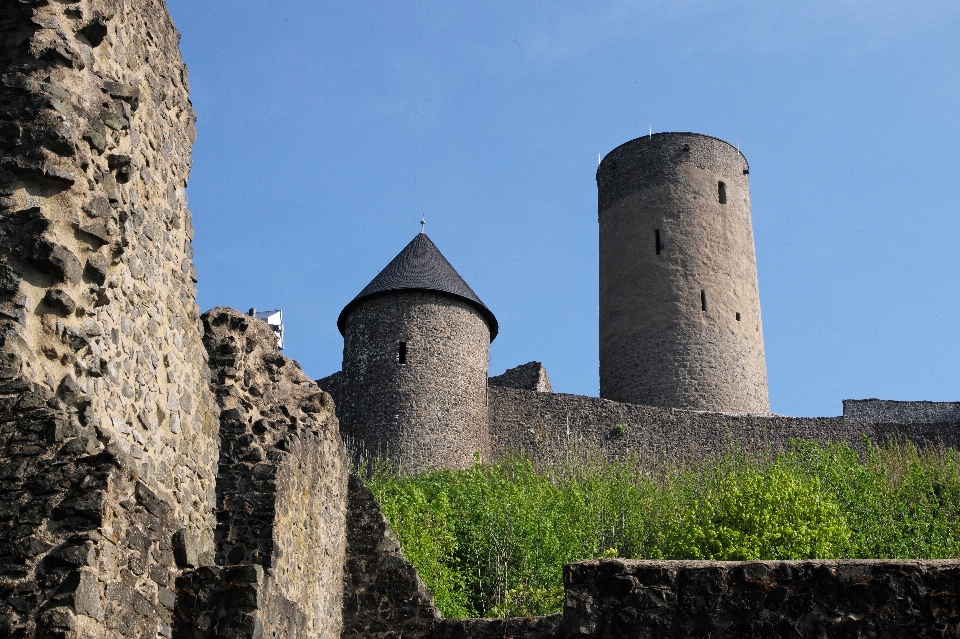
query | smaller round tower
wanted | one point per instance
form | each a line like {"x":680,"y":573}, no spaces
{"x":416,"y":345}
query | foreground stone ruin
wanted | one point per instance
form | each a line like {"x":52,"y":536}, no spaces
{"x":171,"y":475}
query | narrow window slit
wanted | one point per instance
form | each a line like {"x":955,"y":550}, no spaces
{"x":738,"y":317}
{"x":722,"y":192}
{"x":658,"y":244}
{"x":703,"y":301}
{"x":402,"y":353}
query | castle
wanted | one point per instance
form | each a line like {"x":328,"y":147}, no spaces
{"x":171,"y":474}
{"x":680,"y":331}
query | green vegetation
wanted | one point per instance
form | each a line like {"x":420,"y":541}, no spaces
{"x":492,"y":540}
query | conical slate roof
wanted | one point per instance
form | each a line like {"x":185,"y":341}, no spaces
{"x":421,"y":267}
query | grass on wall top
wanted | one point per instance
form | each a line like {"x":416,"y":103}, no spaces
{"x":492,"y":540}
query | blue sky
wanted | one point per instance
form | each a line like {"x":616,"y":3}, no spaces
{"x":326,"y":129}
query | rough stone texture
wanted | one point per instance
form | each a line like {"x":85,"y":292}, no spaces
{"x":430,"y":411}
{"x":239,"y":602}
{"x":220,"y":602}
{"x":85,"y":546}
{"x":548,"y":426}
{"x":894,"y":412}
{"x":383,"y":595}
{"x":549,"y":627}
{"x":282,"y":482}
{"x":768,"y":600}
{"x":108,"y":426}
{"x":659,"y":346}
{"x":531,"y":376}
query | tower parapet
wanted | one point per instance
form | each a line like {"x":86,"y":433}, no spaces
{"x":679,"y":301}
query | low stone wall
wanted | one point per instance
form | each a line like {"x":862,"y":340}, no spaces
{"x":550,"y":426}
{"x":282,"y":481}
{"x":894,"y":412}
{"x":768,"y":600}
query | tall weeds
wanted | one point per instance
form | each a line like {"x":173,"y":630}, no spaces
{"x":492,"y":540}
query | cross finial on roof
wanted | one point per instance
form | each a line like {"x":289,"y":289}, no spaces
{"x":423,"y":223}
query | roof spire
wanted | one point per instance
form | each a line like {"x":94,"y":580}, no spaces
{"x":423,"y":223}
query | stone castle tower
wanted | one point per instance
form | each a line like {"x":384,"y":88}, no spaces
{"x":679,"y":301}
{"x":415,"y":359}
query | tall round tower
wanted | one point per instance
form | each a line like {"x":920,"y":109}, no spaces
{"x":679,"y":301}
{"x":416,"y":345}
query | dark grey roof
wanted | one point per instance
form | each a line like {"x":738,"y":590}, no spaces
{"x":421,"y":267}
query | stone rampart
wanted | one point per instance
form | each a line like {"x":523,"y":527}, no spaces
{"x":551,"y":426}
{"x":768,"y":599}
{"x":895,"y":412}
{"x":282,"y":481}
{"x":107,"y":422}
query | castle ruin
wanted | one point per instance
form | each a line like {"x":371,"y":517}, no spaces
{"x":172,"y":475}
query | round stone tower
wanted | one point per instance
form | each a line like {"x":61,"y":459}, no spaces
{"x":679,"y":301}
{"x":416,"y":344}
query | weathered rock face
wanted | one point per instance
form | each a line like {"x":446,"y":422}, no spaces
{"x":108,"y":428}
{"x":770,"y":599}
{"x":281,"y":487}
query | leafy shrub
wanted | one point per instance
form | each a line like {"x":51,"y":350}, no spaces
{"x":492,"y":540}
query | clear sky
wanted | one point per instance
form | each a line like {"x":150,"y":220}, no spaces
{"x":327,"y":128}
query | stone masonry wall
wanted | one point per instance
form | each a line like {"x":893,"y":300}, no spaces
{"x":680,"y":323}
{"x":282,"y":483}
{"x":762,"y":600}
{"x":531,"y":376}
{"x":383,"y":594}
{"x":108,"y":427}
{"x":430,"y":410}
{"x":550,"y":426}
{"x":894,"y":412}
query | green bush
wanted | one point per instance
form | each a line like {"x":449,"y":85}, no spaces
{"x":492,"y":540}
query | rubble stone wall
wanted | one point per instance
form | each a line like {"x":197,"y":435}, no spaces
{"x":428,"y":410}
{"x":282,"y":484}
{"x":768,"y":599}
{"x":894,"y":412}
{"x":107,"y":423}
{"x":383,"y":594}
{"x":530,"y":376}
{"x":551,"y":426}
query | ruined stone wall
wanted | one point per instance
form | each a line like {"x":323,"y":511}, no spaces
{"x":680,"y":319}
{"x":108,"y":427}
{"x":894,"y":412}
{"x":430,"y":410}
{"x":531,"y":376}
{"x":551,"y":426}
{"x":282,"y":483}
{"x":383,"y":594}
{"x":762,"y":600}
